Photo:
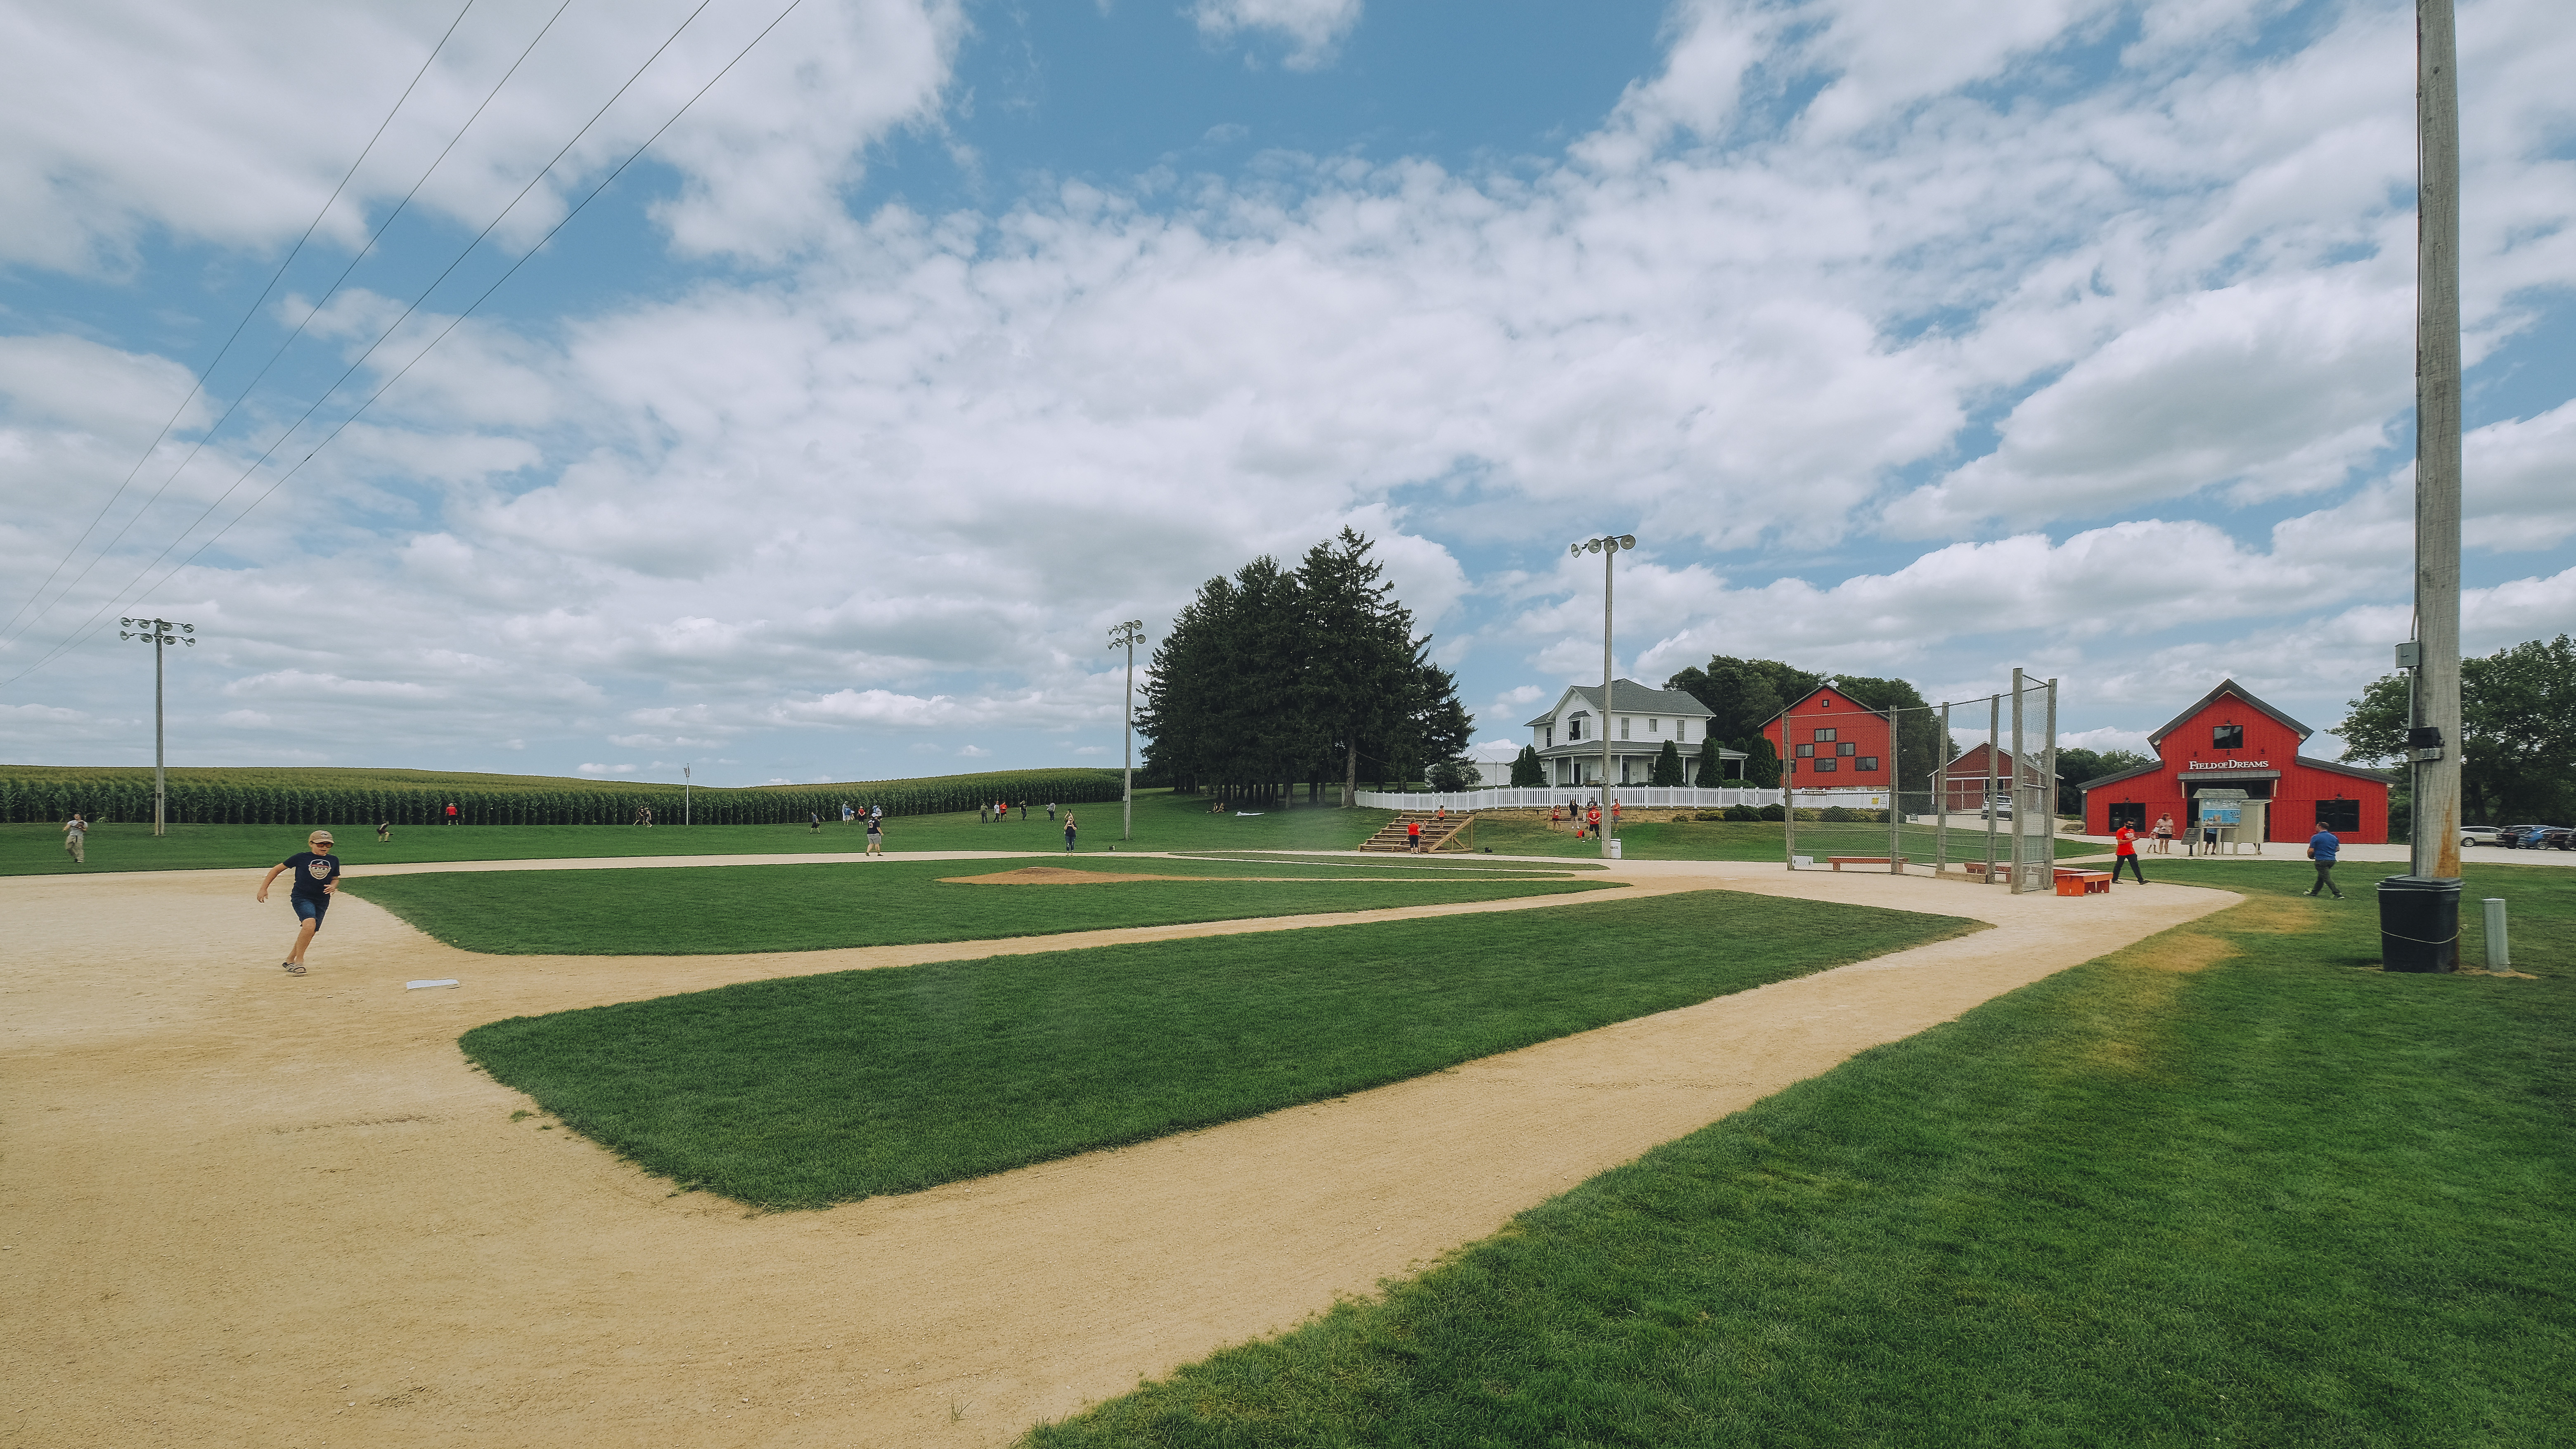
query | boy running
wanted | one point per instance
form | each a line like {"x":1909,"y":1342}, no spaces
{"x":317,"y":879}
{"x":76,"y":838}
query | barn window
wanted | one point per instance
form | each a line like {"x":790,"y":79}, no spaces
{"x":1866,"y":762}
{"x":1828,"y":766}
{"x":1806,"y":751}
{"x":2227,"y":737}
{"x":2340,"y":816}
{"x":1823,"y":735}
{"x":1847,"y":747}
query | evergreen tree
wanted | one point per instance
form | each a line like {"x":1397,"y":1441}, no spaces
{"x":1712,"y":765}
{"x":1668,"y":766}
{"x":1527,"y":771}
{"x":1761,"y":762}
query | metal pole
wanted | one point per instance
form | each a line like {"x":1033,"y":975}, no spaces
{"x":1127,"y":755}
{"x":1895,"y":794}
{"x":160,"y":787}
{"x":1609,"y":555}
{"x":2048,"y":777}
{"x":2436,"y":745}
{"x":1941,"y":798}
{"x":2021,"y":772}
{"x":1788,"y":791}
{"x":1994,"y":774}
{"x":684,"y":796}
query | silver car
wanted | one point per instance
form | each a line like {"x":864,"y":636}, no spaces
{"x":2477,"y":835}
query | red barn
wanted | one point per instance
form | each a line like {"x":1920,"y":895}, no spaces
{"x":1968,"y":776}
{"x":1830,"y":741}
{"x":2234,"y":740}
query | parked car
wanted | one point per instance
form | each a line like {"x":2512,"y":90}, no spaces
{"x":1999,"y":806}
{"x":2477,"y":835}
{"x":2556,"y":837}
{"x":2519,"y":837}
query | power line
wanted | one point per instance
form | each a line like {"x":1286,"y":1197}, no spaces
{"x":305,"y":322}
{"x":226,"y":350}
{"x":451,"y":326}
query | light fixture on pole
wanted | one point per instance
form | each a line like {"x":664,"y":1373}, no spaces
{"x":156,"y":632}
{"x":1608,"y":546}
{"x":1127,"y":636}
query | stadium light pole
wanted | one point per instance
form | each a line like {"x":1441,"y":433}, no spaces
{"x":156,"y":632}
{"x":684,"y":795}
{"x":1608,"y":546}
{"x":1127,"y":636}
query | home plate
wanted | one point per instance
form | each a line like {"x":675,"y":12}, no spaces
{"x":420,"y":985}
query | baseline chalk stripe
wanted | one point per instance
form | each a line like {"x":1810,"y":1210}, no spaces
{"x":422,"y":985}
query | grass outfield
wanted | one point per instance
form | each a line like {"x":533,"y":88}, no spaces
{"x":1163,"y":822}
{"x":2226,"y":1186}
{"x":821,"y":1089}
{"x":703,"y":910}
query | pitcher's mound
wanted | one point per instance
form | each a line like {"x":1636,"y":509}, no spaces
{"x":1058,"y":875}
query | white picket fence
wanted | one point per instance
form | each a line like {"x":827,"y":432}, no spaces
{"x":1541,"y":797}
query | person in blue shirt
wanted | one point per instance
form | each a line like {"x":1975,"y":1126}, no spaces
{"x":2321,"y":849}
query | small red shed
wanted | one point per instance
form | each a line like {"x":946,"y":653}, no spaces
{"x":2231,"y":739}
{"x":1829,"y":740}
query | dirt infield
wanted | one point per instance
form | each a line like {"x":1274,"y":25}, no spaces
{"x":243,"y":1208}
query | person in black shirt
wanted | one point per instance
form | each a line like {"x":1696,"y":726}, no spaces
{"x":317,"y":879}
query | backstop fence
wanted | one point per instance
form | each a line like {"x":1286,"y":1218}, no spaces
{"x":1985,"y":814}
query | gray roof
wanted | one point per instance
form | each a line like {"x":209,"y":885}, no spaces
{"x":1627,"y":696}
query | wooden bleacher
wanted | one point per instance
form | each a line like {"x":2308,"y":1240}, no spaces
{"x":1437,"y":834}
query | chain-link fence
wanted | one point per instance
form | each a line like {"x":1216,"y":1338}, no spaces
{"x":1892,"y":791}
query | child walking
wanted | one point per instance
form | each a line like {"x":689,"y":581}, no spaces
{"x":317,"y":879}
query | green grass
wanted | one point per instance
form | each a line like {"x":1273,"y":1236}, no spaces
{"x":1163,"y":822}
{"x":817,"y":1089}
{"x":1728,"y":840}
{"x":708,"y":910}
{"x":2277,"y":1201}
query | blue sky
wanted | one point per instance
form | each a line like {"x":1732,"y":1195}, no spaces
{"x":1920,"y":339}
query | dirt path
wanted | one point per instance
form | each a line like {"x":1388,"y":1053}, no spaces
{"x":242,"y":1208}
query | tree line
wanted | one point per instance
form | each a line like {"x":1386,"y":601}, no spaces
{"x":2518,"y":727}
{"x":1279,"y":676}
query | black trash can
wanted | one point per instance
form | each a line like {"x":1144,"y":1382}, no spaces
{"x":2419,"y":924}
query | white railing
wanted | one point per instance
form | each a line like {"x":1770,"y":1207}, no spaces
{"x":1541,"y":797}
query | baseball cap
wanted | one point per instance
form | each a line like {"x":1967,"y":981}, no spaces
{"x":319,"y":835}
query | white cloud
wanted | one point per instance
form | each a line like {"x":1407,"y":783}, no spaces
{"x":1311,"y":28}
{"x":2103,"y":740}
{"x":627,"y":770}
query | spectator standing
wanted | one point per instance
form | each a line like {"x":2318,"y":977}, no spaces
{"x":876,"y":836}
{"x":1068,"y":832}
{"x":76,"y":838}
{"x":2322,"y":848}
{"x":1050,"y":812}
{"x":451,"y":812}
{"x":2126,"y":854}
{"x":1413,"y":836}
{"x":2164,"y":833}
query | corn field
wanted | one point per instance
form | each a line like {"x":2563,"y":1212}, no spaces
{"x":419,"y":797}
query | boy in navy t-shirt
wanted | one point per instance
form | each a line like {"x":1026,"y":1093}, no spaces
{"x":317,"y":879}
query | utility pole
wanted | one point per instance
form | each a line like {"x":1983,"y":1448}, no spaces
{"x":1127,"y":636}
{"x":156,"y":632}
{"x":2435,"y":744}
{"x":684,"y":795}
{"x":1608,"y":546}
{"x":2419,"y":912}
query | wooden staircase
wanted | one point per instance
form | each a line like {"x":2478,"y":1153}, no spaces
{"x":1455,"y":833}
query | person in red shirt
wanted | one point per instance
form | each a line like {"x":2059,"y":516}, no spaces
{"x":1413,"y":835}
{"x":2126,"y":854}
{"x":451,"y":812}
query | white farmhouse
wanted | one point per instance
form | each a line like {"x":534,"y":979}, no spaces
{"x":1568,"y":737}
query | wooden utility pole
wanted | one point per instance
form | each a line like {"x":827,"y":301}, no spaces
{"x":2434,"y":743}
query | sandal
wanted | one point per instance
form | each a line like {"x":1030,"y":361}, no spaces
{"x":293,"y":968}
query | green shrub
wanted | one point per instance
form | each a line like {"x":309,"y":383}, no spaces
{"x":1774,"y":812}
{"x":1748,"y":812}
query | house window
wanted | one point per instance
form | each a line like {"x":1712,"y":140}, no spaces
{"x":2227,"y":737}
{"x":1804,"y":751}
{"x":1828,"y":765}
{"x":1822,"y":735}
{"x":1624,"y":722}
{"x":1866,"y":762}
{"x":1574,"y":729}
{"x":2340,"y":816}
{"x":1681,"y":729}
{"x":1847,"y":748}
{"x":1549,"y":735}
{"x":1654,"y":726}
